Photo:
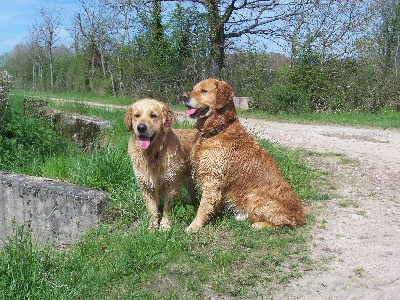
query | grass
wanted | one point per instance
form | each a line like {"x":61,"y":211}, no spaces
{"x":226,"y":259}
{"x":123,"y":260}
{"x":384,"y":119}
{"x":82,"y":97}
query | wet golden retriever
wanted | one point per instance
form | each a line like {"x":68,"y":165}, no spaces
{"x":160,"y":157}
{"x":231,"y":167}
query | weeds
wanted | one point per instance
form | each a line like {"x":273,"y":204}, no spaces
{"x":26,"y":143}
{"x":26,"y":271}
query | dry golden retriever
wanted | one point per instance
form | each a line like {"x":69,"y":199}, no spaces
{"x":232,"y":168}
{"x":160,"y":156}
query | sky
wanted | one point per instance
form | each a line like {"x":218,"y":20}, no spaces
{"x":17,"y":17}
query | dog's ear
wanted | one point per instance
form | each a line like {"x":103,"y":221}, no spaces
{"x":224,"y":94}
{"x":128,"y":119}
{"x":168,"y":118}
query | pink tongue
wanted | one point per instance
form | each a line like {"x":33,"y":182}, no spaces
{"x":190,"y":112}
{"x":143,"y":142}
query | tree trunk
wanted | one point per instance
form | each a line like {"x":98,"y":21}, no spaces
{"x":41,"y":78}
{"x":217,"y":39}
{"x":33,"y":78}
{"x":51,"y":69}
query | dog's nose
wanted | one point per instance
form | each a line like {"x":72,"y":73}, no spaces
{"x":141,"y":127}
{"x":185,"y":97}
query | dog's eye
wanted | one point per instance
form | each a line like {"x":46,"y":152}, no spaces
{"x":153,"y":115}
{"x":203,"y":91}
{"x":136,"y":115}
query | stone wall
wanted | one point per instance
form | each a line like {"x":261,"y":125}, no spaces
{"x":56,"y":212}
{"x":80,"y":129}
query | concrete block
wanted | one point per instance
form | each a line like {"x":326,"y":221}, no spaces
{"x":81,"y":129}
{"x":243,"y":102}
{"x":56,"y":212}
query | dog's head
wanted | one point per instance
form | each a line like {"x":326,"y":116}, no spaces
{"x":148,"y":118}
{"x":207,"y":97}
{"x":211,"y":103}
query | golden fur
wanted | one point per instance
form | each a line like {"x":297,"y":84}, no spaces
{"x":160,"y":156}
{"x":231,"y":167}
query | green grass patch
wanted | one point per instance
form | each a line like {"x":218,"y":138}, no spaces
{"x":80,"y":97}
{"x":383,"y":119}
{"x":83,"y":98}
{"x":227,"y":259}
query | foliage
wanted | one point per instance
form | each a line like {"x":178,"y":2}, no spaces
{"x":388,"y":39}
{"x":312,"y":85}
{"x":253,"y":74}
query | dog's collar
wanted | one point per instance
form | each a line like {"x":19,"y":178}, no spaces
{"x":214,"y":132}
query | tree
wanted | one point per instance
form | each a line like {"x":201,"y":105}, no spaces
{"x":121,"y":39}
{"x":187,"y":32}
{"x":329,"y":27}
{"x":37,"y":55}
{"x":5,"y":80}
{"x":388,"y":37}
{"x":96,"y":24}
{"x":232,"y":19}
{"x":46,"y":33}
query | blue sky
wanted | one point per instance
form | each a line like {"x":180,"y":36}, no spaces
{"x":17,"y":16}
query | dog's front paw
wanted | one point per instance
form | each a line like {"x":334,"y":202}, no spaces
{"x":164,"y":224}
{"x":153,"y":226}
{"x":193,"y":227}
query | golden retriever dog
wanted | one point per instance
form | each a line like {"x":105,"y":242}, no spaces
{"x":231,"y":167}
{"x":160,"y":157}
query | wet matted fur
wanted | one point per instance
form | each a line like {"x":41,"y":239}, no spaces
{"x":231,"y":167}
{"x":160,"y":157}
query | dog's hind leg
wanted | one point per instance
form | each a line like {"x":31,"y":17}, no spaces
{"x":268,"y":214}
{"x":191,"y":191}
{"x":260,"y":225}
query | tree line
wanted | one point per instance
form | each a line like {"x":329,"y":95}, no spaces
{"x":329,"y":55}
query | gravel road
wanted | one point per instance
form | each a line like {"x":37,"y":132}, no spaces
{"x":355,"y":242}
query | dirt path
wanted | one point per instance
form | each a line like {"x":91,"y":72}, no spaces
{"x":355,"y":242}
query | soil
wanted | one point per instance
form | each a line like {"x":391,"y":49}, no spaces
{"x":355,"y":240}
